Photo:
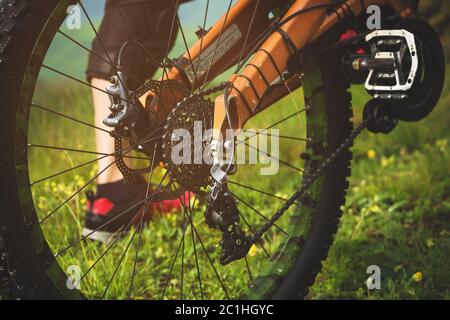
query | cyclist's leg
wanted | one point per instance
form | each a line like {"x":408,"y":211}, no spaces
{"x":144,"y":21}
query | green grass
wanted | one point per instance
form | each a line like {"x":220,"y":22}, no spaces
{"x":161,"y":237}
{"x":396,"y":215}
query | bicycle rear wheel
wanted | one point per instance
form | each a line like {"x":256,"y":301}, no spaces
{"x":175,"y":256}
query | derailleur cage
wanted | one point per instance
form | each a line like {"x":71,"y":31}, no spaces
{"x":223,"y":214}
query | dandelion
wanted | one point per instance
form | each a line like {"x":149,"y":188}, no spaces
{"x":429,"y":243}
{"x":42,"y":203}
{"x":387,"y":161}
{"x":253,"y":250}
{"x":417,"y":277}
{"x":159,"y":252}
{"x":371,"y":154}
{"x":80,"y":182}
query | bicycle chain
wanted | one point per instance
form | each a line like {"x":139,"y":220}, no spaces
{"x":308,"y":180}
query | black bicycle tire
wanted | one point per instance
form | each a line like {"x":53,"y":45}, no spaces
{"x":22,"y":274}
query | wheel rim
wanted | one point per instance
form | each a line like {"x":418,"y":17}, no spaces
{"x":263,"y":285}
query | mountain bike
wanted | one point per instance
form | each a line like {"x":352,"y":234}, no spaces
{"x":292,"y":63}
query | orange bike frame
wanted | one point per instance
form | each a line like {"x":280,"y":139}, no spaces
{"x":229,"y":40}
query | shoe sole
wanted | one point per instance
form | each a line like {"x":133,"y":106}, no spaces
{"x":101,"y":236}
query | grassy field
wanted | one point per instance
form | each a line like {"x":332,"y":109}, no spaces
{"x":397,"y":214}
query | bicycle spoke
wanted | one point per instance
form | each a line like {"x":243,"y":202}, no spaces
{"x":82,"y":122}
{"x":206,"y":252}
{"x":33,"y":104}
{"x":209,"y":258}
{"x":104,"y":49}
{"x":73,"y":244}
{"x":141,"y":225}
{"x":250,"y":276}
{"x":248,"y":32}
{"x":81,"y":189}
{"x":287,"y":164}
{"x":67,"y":170}
{"x":142,"y":213}
{"x":279,"y":136}
{"x":76,"y":242}
{"x":115,"y":68}
{"x":217,"y":44}
{"x":105,"y":252}
{"x":130,"y":35}
{"x":41,"y":146}
{"x":257,"y":212}
{"x":199,"y":278}
{"x":113,"y":154}
{"x":274,"y":124}
{"x":75,"y":79}
{"x":187,"y":49}
{"x":174,"y":261}
{"x":182,"y":260}
{"x":257,"y":190}
{"x":114,"y":241}
{"x":166,"y":59}
{"x":87,"y":49}
{"x":205,"y":17}
{"x":84,"y":83}
{"x":252,"y":230}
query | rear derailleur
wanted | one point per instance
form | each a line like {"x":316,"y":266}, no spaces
{"x":223,"y":214}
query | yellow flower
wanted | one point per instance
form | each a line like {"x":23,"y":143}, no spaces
{"x":429,"y":243}
{"x":417,"y":277}
{"x":371,"y":154}
{"x":42,"y":203}
{"x":159,"y":252}
{"x":253,"y":250}
{"x":387,"y":161}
